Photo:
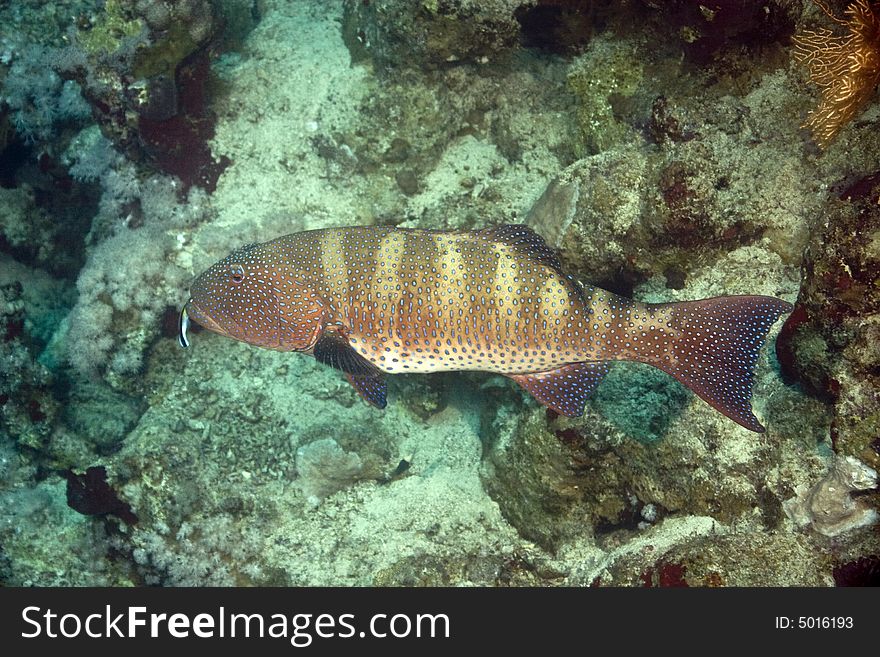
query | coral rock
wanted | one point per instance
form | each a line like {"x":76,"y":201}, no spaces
{"x":830,"y":342}
{"x":324,"y":468}
{"x":434,"y":33}
{"x":829,"y":507}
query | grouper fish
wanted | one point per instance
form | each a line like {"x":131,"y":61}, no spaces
{"x":371,"y":301}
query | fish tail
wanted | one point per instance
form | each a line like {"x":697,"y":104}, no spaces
{"x":711,"y":346}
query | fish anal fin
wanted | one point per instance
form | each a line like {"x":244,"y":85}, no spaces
{"x":526,"y":242}
{"x":333,"y":349}
{"x":372,"y":389}
{"x":566,"y":389}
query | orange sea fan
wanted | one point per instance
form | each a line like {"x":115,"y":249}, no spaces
{"x":845,"y":67}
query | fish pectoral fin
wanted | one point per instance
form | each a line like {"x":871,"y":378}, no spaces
{"x":333,"y":349}
{"x":371,"y":388}
{"x":565,"y":390}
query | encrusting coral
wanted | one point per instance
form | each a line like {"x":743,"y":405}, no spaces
{"x":846,"y":68}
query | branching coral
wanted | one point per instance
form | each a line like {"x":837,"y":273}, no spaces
{"x":118,"y":313}
{"x":38,"y":99}
{"x":846,"y":68}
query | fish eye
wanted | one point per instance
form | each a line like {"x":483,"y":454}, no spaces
{"x":236,"y":273}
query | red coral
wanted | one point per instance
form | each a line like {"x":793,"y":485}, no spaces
{"x":179,"y":144}
{"x":785,"y":350}
{"x":667,"y":575}
{"x":861,"y":572}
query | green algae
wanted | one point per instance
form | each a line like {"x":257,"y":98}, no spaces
{"x":641,"y":401}
{"x":163,"y":56}
{"x":607,"y":71}
{"x":113,"y":27}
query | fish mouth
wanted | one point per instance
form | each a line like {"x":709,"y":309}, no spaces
{"x":230,"y":328}
{"x":192,"y":313}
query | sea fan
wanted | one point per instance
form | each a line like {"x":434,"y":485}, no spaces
{"x":845,"y":67}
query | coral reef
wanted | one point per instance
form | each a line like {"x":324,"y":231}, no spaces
{"x":25,"y":227}
{"x":37,"y":97}
{"x":830,"y":342}
{"x":27,"y":406}
{"x":627,"y":213}
{"x":600,"y":78}
{"x":435,"y":33}
{"x":120,"y":309}
{"x":77,"y":553}
{"x":708,"y":32}
{"x":560,"y":26}
{"x":143,"y":66}
{"x":90,"y":494}
{"x":640,"y":401}
{"x":651,"y":143}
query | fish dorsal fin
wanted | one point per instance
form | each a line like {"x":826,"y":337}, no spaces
{"x":526,"y":242}
{"x":565,"y":389}
{"x":371,"y":388}
{"x":333,"y":349}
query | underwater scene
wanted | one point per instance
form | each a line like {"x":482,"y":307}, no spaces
{"x":439,"y":293}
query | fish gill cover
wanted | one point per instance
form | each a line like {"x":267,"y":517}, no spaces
{"x":657,"y":148}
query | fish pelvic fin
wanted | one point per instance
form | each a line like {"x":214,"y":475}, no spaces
{"x":712,"y":347}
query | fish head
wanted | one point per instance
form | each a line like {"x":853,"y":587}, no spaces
{"x":251,"y":297}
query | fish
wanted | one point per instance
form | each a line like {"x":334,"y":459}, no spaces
{"x":377,"y":300}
